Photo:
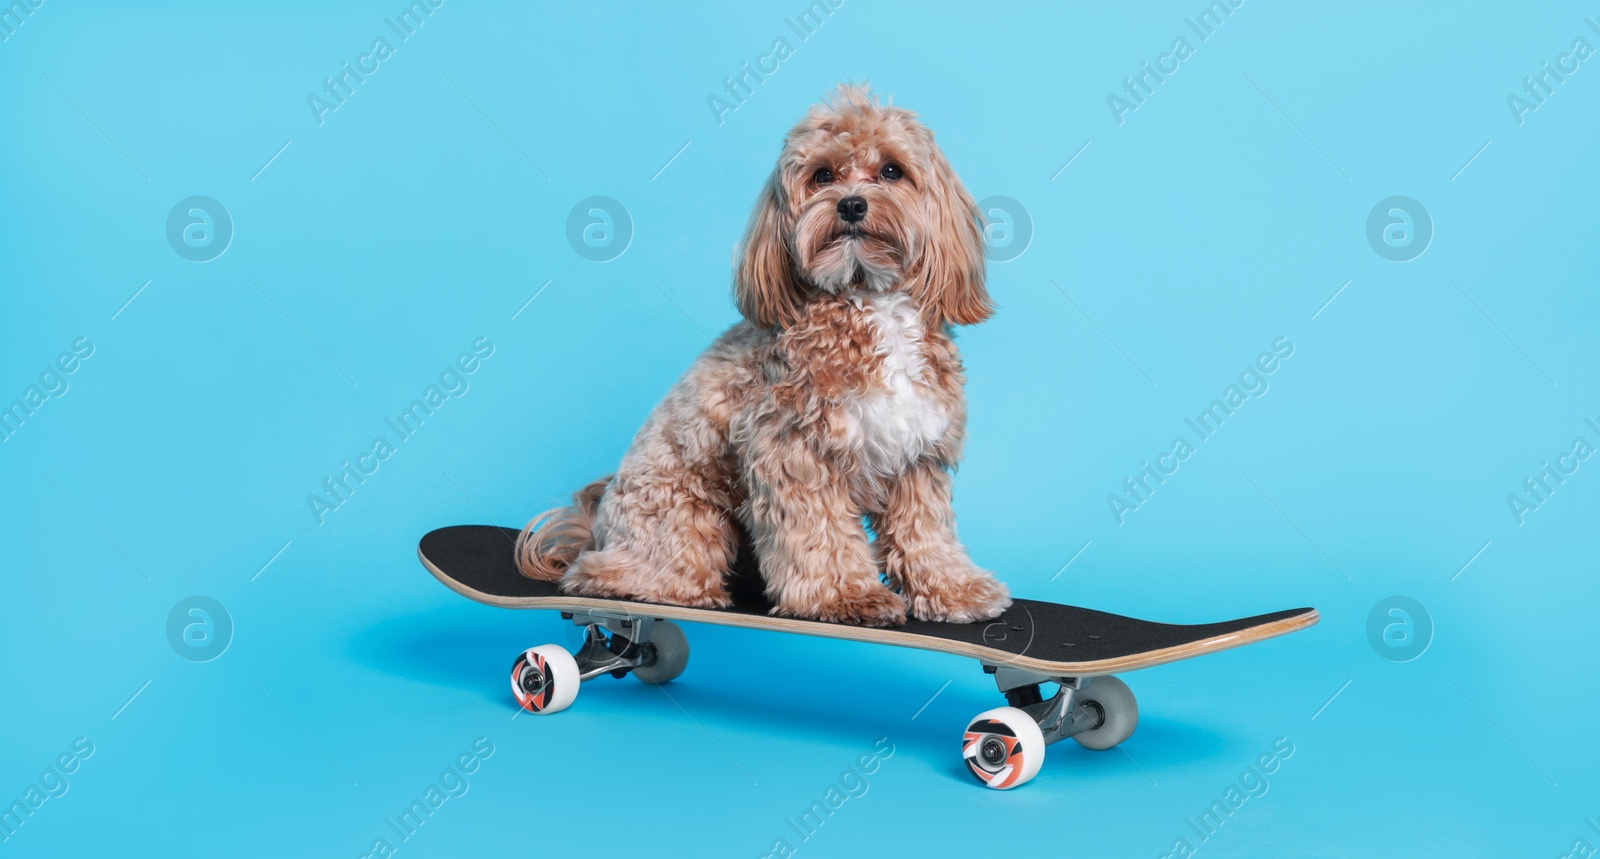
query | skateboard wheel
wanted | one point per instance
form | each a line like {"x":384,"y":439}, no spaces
{"x":672,"y":654}
{"x":545,"y":679}
{"x":1003,"y":747}
{"x":1119,"y":713}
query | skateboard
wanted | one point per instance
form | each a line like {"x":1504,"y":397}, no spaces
{"x":1031,"y":644}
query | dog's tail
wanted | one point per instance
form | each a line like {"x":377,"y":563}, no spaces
{"x":552,"y":541}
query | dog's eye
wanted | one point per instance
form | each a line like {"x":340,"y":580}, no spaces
{"x":823,"y":176}
{"x":892,"y":172}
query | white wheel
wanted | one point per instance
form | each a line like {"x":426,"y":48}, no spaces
{"x":672,"y":653}
{"x":545,"y":679}
{"x":1119,"y":713}
{"x":1003,"y":747}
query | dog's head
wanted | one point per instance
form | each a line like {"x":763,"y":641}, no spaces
{"x":862,"y":199}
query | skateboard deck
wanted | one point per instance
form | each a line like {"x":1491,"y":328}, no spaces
{"x":1045,"y":638}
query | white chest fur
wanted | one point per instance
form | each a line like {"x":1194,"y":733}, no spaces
{"x":900,"y":419}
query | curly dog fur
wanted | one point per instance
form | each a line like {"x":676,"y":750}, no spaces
{"x":838,"y":397}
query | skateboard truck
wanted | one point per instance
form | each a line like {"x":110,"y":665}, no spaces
{"x":545,"y":679}
{"x":1004,"y":747}
{"x":1060,"y":717}
{"x":627,"y":648}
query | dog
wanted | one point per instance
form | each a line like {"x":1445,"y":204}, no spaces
{"x":837,"y":398}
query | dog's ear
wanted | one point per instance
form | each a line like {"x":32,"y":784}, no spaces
{"x":764,"y":284}
{"x":949,"y":279}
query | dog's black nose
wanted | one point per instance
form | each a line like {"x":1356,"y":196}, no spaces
{"x":853,"y":209}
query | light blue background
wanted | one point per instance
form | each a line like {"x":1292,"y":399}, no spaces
{"x":1223,"y":214}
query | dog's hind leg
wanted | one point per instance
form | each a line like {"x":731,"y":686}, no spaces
{"x":673,"y":550}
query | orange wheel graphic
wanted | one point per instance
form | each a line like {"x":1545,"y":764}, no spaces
{"x":545,"y":679}
{"x":1003,"y":747}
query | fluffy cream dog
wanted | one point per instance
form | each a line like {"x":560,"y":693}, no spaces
{"x":838,"y":396}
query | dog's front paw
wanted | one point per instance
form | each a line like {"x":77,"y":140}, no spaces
{"x":979,"y":596}
{"x":875,"y":606}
